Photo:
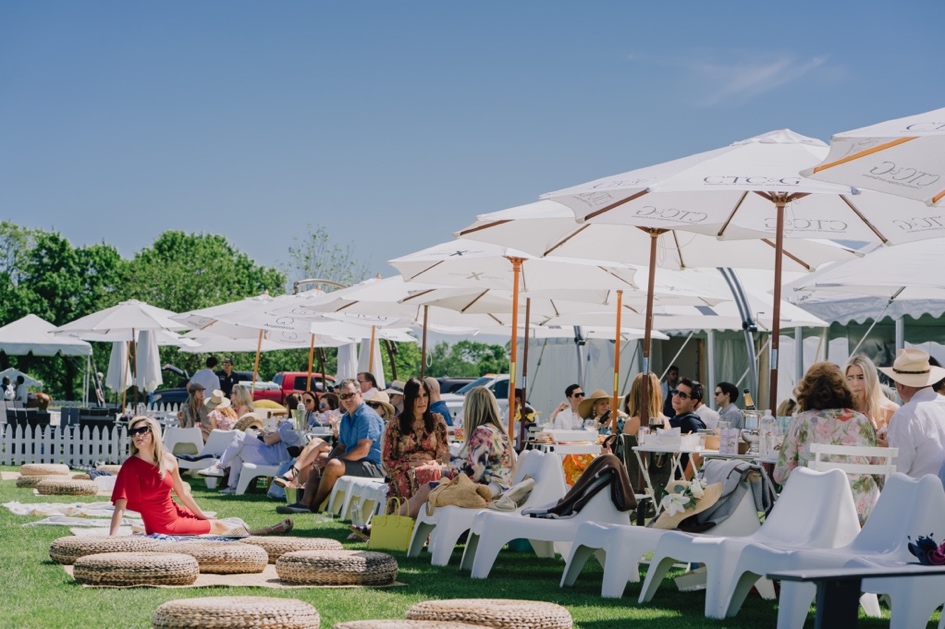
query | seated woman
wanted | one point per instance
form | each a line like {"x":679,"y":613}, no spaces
{"x":414,"y":445}
{"x":259,"y":447}
{"x":486,"y":457}
{"x":597,"y":407}
{"x":826,"y":415}
{"x":193,"y":413}
{"x":220,"y":414}
{"x":868,"y":398}
{"x":144,"y":484}
{"x":633,"y":405}
{"x":241,"y":399}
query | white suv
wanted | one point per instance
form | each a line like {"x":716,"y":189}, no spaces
{"x":499,"y":385}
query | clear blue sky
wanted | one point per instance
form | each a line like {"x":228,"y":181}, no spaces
{"x":394,"y":123}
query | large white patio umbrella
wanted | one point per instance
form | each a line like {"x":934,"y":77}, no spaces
{"x":34,"y":335}
{"x":750,"y":189}
{"x":903,"y":157}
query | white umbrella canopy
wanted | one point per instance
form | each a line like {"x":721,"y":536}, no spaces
{"x":32,"y":334}
{"x":147,"y":362}
{"x":118,"y":377}
{"x":128,"y":315}
{"x":750,"y":189}
{"x":903,"y":157}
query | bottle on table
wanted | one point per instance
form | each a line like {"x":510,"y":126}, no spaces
{"x":749,"y":403}
{"x":767,"y":434}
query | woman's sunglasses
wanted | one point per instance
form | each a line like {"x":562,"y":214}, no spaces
{"x":375,"y":405}
{"x":141,"y":430}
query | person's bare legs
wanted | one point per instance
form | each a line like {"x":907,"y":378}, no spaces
{"x":333,"y":470}
{"x":306,"y":459}
{"x":412,"y":507}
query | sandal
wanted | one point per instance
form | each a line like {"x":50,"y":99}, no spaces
{"x":289,"y":479}
{"x":276,"y":529}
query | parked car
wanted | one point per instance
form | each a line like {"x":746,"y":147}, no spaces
{"x":288,"y":382}
{"x":499,"y":385}
{"x":452,"y":385}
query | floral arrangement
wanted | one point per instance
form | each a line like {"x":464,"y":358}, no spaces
{"x":683,"y":497}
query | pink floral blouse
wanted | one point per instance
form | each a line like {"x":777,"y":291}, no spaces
{"x":400,"y":453}
{"x":842,"y":427}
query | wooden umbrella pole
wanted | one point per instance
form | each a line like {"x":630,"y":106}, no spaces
{"x":516,"y":273}
{"x":423,"y":345}
{"x":528,"y":313}
{"x":615,"y":404}
{"x":311,"y":360}
{"x":256,"y":362}
{"x":780,"y":201}
{"x":371,"y":349}
{"x":648,"y":327}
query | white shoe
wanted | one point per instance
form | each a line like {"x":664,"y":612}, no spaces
{"x":228,"y":490}
{"x":213,"y":470}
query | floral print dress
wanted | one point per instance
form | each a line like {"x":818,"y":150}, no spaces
{"x":487,"y":458}
{"x":841,"y":427}
{"x":401,"y":453}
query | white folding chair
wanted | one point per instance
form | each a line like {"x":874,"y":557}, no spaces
{"x":815,"y":510}
{"x":183,"y":440}
{"x":216,"y":443}
{"x":250,"y":472}
{"x":882,"y":458}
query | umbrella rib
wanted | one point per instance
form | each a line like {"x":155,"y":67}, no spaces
{"x":417,"y":294}
{"x":462,"y":233}
{"x":613,"y":274}
{"x":475,"y":299}
{"x":731,"y":215}
{"x":612,"y":206}
{"x":682,"y":263}
{"x":429,"y":268}
{"x":566,"y":239}
{"x":790,"y":255}
{"x":866,"y":222}
{"x":870,"y":151}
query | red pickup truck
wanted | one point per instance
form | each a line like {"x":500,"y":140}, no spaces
{"x":289,"y":382}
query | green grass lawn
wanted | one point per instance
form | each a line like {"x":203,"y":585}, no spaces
{"x":38,"y":593}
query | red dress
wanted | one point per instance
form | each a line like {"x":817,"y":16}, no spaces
{"x":150,"y":495}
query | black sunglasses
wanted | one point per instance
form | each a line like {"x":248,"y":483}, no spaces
{"x":681,"y":394}
{"x":346,"y":396}
{"x":578,"y":394}
{"x":375,"y":404}
{"x":140,"y":430}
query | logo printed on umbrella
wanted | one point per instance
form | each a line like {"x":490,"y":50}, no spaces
{"x":671,"y":214}
{"x":920,"y":224}
{"x":926,"y":126}
{"x":750,"y":180}
{"x":808,"y":225}
{"x":902,"y":176}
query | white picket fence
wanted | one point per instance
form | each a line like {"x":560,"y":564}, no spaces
{"x":71,"y":445}
{"x":165,"y":408}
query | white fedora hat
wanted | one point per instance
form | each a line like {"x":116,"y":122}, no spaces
{"x":912,"y":369}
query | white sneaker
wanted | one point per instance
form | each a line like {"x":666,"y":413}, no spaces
{"x":228,"y":490}
{"x":213,"y":470}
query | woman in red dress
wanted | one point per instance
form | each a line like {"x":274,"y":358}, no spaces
{"x":144,"y":485}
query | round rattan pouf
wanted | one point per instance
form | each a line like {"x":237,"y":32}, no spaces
{"x":337,"y":567}
{"x":44,"y":469}
{"x":221,"y":557}
{"x":277,"y":545}
{"x":237,"y":612}
{"x":66,"y":550}
{"x":33,"y":481}
{"x":69,"y":487}
{"x":80,"y":476}
{"x":403,"y":624}
{"x":111,"y":469}
{"x":494,"y":612}
{"x":136,"y":569}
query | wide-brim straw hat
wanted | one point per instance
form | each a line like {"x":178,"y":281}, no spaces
{"x":710,"y":496}
{"x":395,"y":388}
{"x":912,"y":369}
{"x":379,"y":397}
{"x":249,"y":420}
{"x":217,"y":400}
{"x":586,"y":407}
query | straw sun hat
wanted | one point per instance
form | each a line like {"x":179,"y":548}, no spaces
{"x":217,"y":400}
{"x":249,"y":420}
{"x":586,"y":407}
{"x":710,"y":496}
{"x":912,"y":369}
{"x":379,"y":397}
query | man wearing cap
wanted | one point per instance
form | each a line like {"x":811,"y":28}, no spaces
{"x":227,"y":377}
{"x":918,"y":427}
{"x":357,"y":452}
{"x":436,"y":404}
{"x":206,"y":377}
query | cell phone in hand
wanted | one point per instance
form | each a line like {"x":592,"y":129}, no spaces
{"x":605,"y":416}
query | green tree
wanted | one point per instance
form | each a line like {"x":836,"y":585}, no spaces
{"x":467,"y":359}
{"x":317,"y":255}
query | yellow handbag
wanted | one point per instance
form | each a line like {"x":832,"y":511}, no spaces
{"x":391,"y":531}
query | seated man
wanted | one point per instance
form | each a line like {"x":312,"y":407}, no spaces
{"x":257,"y":447}
{"x":357,"y":453}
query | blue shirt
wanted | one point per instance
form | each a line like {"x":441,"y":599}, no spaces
{"x":440,"y":407}
{"x":363,"y":424}
{"x":277,"y":452}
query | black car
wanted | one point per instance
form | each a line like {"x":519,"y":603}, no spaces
{"x":452,"y":385}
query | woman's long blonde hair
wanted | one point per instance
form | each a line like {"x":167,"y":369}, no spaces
{"x":479,"y":408}
{"x":158,"y":444}
{"x":654,"y":395}
{"x":873,"y":390}
{"x":241,"y":397}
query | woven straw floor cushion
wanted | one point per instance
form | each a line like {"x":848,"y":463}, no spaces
{"x":66,"y":550}
{"x":495,"y":612}
{"x":136,"y":569}
{"x":44,"y":469}
{"x":277,"y":545}
{"x":337,"y":567}
{"x":112,"y":469}
{"x":32,"y":481}
{"x":221,"y":557}
{"x":403,"y":624}
{"x":69,"y":487}
{"x":237,"y":612}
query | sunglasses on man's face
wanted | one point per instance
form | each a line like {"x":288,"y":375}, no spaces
{"x":680,"y":394}
{"x":140,"y":430}
{"x":346,"y":396}
{"x":578,"y":394}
